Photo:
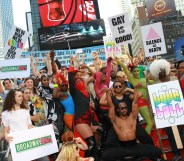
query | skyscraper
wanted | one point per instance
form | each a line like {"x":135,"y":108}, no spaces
{"x":180,"y":5}
{"x":6,"y":22}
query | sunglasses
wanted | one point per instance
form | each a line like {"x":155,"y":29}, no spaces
{"x":64,"y":85}
{"x":118,"y":86}
{"x":122,"y":108}
{"x":42,"y":71}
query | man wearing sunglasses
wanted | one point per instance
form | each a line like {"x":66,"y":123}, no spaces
{"x":124,"y":122}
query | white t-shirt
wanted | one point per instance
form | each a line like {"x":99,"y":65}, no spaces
{"x":17,"y":120}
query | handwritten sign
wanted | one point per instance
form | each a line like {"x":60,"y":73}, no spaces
{"x":16,"y":42}
{"x":167,"y":104}
{"x":153,"y":39}
{"x":121,"y":29}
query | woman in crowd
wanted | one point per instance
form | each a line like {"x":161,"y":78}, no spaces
{"x":38,"y":110}
{"x":15,"y":115}
{"x":84,"y":116}
{"x":70,"y":151}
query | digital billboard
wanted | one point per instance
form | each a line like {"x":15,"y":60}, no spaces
{"x":160,"y":8}
{"x":72,"y":36}
{"x":55,"y":12}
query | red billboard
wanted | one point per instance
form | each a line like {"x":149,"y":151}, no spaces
{"x":55,"y":12}
{"x":160,"y":8}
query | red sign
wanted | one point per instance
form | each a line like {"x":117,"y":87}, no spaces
{"x":55,"y":12}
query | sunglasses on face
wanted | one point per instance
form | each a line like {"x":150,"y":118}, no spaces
{"x":122,"y":108}
{"x":118,"y":86}
{"x":64,"y":85}
{"x":42,"y":72}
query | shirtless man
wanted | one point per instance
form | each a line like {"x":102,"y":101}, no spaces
{"x":124,"y":123}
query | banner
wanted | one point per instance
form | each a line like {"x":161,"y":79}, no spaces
{"x":15,"y":68}
{"x":63,"y":56}
{"x":75,"y":35}
{"x":54,"y":13}
{"x":110,"y":47}
{"x":179,"y":48}
{"x":121,"y":29}
{"x":34,"y":143}
{"x":160,"y":8}
{"x":153,"y":39}
{"x":16,"y":43}
{"x":167,"y":104}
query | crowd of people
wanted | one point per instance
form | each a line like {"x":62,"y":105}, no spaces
{"x":94,"y":109}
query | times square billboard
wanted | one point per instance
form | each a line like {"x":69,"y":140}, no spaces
{"x":74,"y":35}
{"x":56,"y":12}
{"x":160,"y":8}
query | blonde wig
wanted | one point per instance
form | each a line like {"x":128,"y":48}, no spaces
{"x":68,"y":152}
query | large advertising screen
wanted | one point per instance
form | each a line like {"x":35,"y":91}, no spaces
{"x":72,"y":36}
{"x":55,"y":12}
{"x":160,"y":8}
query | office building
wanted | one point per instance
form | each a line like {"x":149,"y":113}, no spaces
{"x":6,"y":22}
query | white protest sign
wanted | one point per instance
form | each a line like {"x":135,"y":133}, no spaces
{"x":15,"y":68}
{"x":121,"y":29}
{"x":111,"y":47}
{"x":16,"y":42}
{"x":167,"y":104}
{"x":34,"y":143}
{"x":153,"y":39}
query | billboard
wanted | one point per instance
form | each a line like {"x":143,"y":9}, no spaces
{"x":179,"y":45}
{"x":55,"y":12}
{"x":160,"y":8}
{"x":72,"y":36}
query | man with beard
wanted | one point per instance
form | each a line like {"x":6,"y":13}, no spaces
{"x":124,"y":122}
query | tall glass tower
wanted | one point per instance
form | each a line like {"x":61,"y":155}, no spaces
{"x":6,"y":22}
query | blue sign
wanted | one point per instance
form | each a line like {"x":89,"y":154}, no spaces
{"x":63,"y":56}
{"x":178,"y":45}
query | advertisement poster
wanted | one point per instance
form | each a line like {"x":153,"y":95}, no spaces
{"x":16,"y":43}
{"x":75,"y":35}
{"x":160,"y":8}
{"x":121,"y":29}
{"x":54,"y":13}
{"x":179,"y":46}
{"x":153,"y":39}
{"x":110,"y":47}
{"x":63,"y":56}
{"x":167,"y":104}
{"x":34,"y":143}
{"x":15,"y":68}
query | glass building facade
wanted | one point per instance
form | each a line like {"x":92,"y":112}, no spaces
{"x":6,"y":22}
{"x":36,"y":23}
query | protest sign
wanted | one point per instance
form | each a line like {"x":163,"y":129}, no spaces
{"x":110,"y":47}
{"x":153,"y":39}
{"x":34,"y":143}
{"x":15,"y":68}
{"x":63,"y":56}
{"x":121,"y":29}
{"x":15,"y":44}
{"x":167,"y":104}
